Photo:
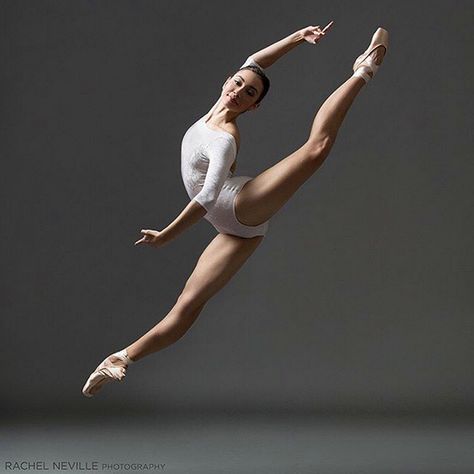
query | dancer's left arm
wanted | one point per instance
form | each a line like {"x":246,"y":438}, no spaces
{"x":267,"y":56}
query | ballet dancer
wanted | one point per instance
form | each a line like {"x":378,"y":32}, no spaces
{"x":239,"y":207}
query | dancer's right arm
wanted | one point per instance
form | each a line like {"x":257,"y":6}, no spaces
{"x":221,"y":153}
{"x":191,"y":214}
{"x":267,"y":56}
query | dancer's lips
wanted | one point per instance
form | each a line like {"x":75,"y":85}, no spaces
{"x":233,"y":100}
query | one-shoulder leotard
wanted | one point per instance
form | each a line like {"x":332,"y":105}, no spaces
{"x":207,"y":156}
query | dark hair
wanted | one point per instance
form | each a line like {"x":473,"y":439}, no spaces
{"x":263,"y":77}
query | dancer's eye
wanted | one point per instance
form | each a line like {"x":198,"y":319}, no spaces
{"x":250,"y":92}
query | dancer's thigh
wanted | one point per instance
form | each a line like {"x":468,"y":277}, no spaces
{"x":219,"y":262}
{"x":264,"y":195}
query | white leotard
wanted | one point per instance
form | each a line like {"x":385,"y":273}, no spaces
{"x":207,"y":156}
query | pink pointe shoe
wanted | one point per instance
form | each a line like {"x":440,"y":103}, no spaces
{"x":365,"y":63}
{"x":107,"y":371}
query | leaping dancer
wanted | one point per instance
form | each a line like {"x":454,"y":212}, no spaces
{"x":239,"y":207}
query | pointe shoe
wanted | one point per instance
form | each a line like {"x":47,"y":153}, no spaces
{"x":106,"y":371}
{"x":365,"y":63}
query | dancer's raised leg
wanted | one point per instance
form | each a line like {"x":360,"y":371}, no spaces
{"x":264,"y":195}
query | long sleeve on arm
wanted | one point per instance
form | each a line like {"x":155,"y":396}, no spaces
{"x":251,"y":62}
{"x":221,"y":154}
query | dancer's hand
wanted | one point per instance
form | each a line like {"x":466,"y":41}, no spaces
{"x":153,"y":238}
{"x":313,"y":34}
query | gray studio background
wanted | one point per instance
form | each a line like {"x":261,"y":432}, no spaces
{"x":360,"y":297}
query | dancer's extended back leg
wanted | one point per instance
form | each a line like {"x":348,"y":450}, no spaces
{"x":219,"y":262}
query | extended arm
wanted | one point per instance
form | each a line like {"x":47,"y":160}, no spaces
{"x":267,"y":56}
{"x":191,"y":214}
{"x":221,"y":154}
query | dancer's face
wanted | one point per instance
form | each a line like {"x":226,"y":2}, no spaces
{"x":241,"y":91}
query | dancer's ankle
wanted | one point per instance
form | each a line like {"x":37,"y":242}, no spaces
{"x":124,"y":356}
{"x":363,"y":73}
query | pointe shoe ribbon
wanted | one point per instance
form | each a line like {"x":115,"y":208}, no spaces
{"x":365,"y":63}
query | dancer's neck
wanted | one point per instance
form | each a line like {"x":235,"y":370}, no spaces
{"x":220,"y":115}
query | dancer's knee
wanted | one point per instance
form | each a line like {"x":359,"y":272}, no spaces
{"x":190,"y":301}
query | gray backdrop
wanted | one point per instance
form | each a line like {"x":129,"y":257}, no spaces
{"x":359,"y":298}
